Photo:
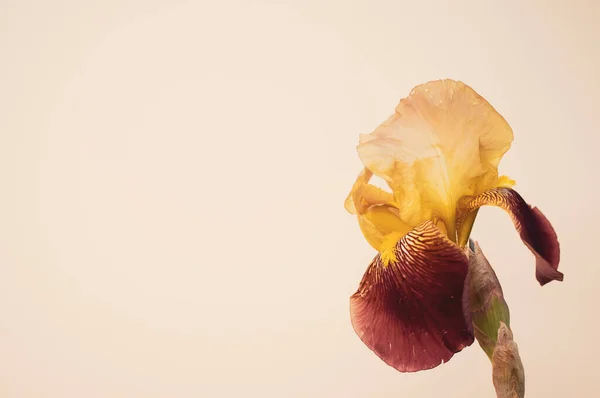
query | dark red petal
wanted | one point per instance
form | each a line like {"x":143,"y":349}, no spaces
{"x":535,"y":230}
{"x":410,"y":312}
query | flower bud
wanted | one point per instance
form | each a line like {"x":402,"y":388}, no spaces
{"x":486,"y":301}
{"x":507,"y":369}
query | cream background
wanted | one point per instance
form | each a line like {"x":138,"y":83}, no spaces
{"x":173,"y":177}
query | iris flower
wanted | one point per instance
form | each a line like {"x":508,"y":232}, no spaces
{"x":439,"y":154}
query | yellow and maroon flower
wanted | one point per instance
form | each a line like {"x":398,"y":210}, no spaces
{"x":439,"y":154}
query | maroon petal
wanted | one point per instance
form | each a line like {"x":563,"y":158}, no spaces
{"x":533,"y":227}
{"x":410,"y":311}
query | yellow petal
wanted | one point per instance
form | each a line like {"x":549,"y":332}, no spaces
{"x":364,"y":195}
{"x":382,"y":227}
{"x":378,"y":218}
{"x":443,"y":142}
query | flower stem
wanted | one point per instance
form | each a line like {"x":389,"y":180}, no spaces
{"x":491,"y":319}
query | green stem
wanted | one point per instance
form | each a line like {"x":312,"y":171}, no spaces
{"x":491,"y":325}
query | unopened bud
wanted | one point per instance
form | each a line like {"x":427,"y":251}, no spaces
{"x":507,"y":369}
{"x":486,"y":300}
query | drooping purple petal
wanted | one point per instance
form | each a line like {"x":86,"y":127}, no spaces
{"x":410,"y":311}
{"x":533,"y":227}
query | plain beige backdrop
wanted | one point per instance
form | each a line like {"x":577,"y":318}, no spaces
{"x":172,"y":178}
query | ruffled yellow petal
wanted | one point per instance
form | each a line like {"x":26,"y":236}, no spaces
{"x":365,"y":195}
{"x":444,"y":142}
{"x":378,"y":218}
